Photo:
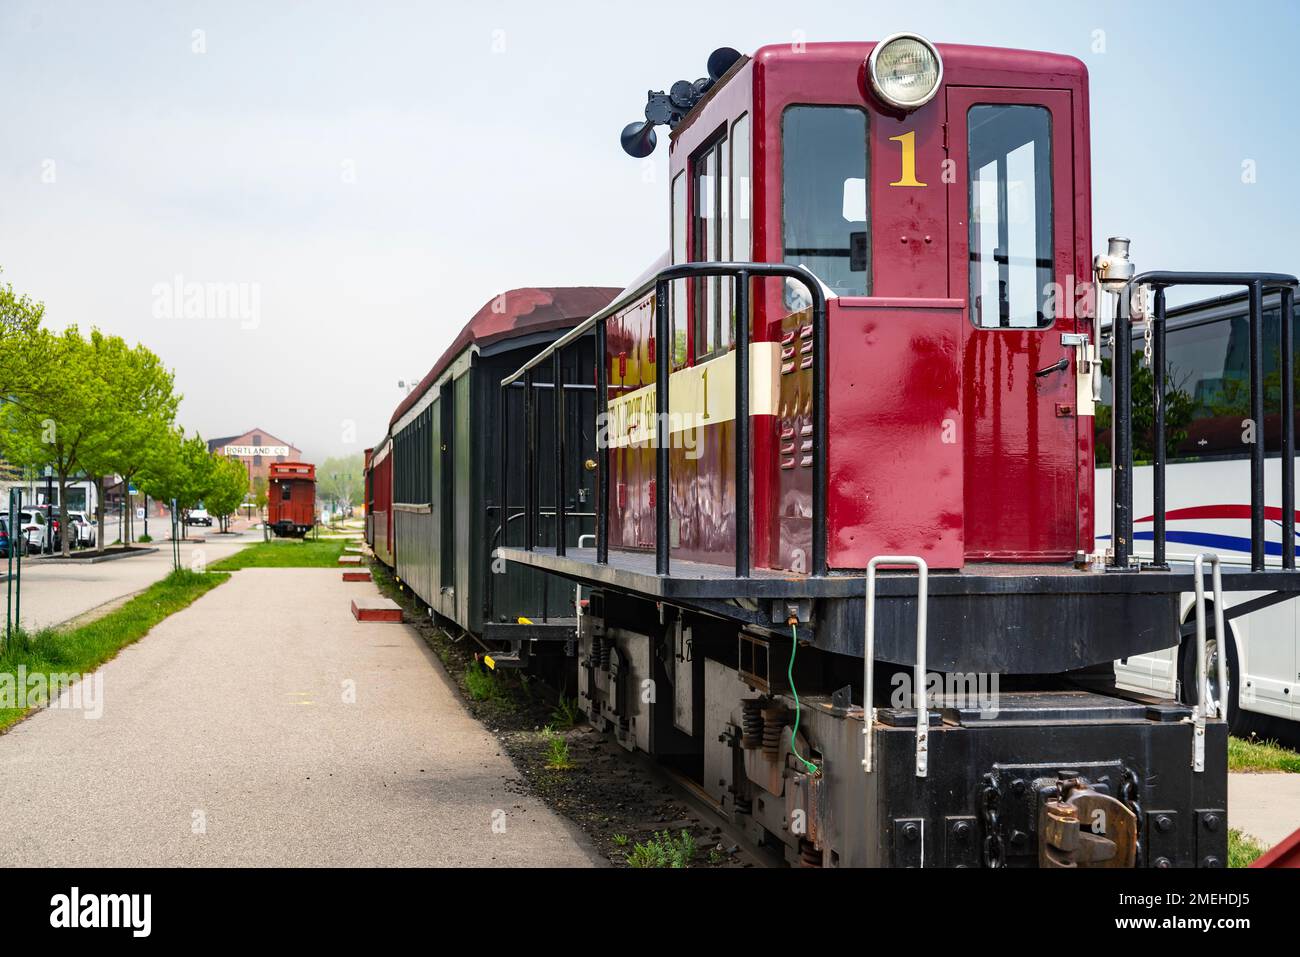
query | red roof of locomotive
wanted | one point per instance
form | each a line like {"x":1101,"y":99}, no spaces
{"x":513,"y":312}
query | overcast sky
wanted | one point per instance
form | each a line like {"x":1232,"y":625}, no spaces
{"x":368,"y":174}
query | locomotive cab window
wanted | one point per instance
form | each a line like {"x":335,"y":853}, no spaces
{"x":1010,"y":216}
{"x":824,"y":198}
{"x":711,"y":242}
{"x":677,"y":288}
{"x":285,"y":492}
{"x":741,"y":250}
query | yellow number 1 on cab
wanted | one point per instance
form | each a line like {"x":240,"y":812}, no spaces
{"x":908,"y":142}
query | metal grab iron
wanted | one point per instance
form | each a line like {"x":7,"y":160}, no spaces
{"x":1199,"y":707}
{"x":918,"y":671}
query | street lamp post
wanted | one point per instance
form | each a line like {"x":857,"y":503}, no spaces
{"x":49,"y":503}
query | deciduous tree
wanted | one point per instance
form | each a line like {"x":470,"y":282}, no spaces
{"x":341,"y":479}
{"x":20,"y":343}
{"x":228,"y":487}
{"x":49,"y":424}
{"x":138,"y":392}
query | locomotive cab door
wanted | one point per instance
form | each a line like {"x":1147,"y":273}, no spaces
{"x":1012,"y":234}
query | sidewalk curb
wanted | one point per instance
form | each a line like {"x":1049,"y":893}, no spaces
{"x":39,"y":562}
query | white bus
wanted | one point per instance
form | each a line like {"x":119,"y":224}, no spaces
{"x":1208,"y":503}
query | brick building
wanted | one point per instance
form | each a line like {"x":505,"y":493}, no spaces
{"x":257,"y":449}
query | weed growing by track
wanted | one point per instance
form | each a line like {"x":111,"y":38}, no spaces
{"x":484,"y":685}
{"x":81,"y":650}
{"x":1242,"y":848}
{"x":557,"y":750}
{"x":664,"y":850}
{"x":283,"y":553}
{"x":566,"y":714}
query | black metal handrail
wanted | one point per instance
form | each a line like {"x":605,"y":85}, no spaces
{"x":741,"y":273}
{"x":499,"y":539}
{"x":1256,"y":285}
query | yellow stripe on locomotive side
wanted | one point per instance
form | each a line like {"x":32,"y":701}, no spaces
{"x":698,"y":396}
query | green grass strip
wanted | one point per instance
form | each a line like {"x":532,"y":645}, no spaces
{"x":1242,"y":848}
{"x":1254,"y":755}
{"x":283,"y":553}
{"x":83,"y":649}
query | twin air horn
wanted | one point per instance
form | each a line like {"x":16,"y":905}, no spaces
{"x":668,"y":109}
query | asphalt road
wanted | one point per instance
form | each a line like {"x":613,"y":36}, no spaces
{"x":263,"y":726}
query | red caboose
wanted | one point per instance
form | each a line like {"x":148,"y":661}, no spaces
{"x":291,"y":504}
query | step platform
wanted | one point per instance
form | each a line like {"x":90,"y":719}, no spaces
{"x":503,"y":659}
{"x":356,"y":576}
{"x":376,"y":609}
{"x":349,"y":559}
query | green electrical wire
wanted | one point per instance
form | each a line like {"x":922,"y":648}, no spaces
{"x":794,"y":735}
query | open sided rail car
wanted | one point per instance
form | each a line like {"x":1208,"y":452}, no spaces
{"x":433,"y":501}
{"x":846,"y":461}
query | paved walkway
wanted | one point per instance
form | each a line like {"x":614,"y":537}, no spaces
{"x":226,"y":739}
{"x":1265,"y":806}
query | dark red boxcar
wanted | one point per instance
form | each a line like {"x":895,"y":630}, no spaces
{"x":379,"y":500}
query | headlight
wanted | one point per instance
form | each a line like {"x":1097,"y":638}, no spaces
{"x":905,"y":70}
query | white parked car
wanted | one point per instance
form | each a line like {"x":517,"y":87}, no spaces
{"x":198,"y":516}
{"x":87,"y":530}
{"x":35,"y":528}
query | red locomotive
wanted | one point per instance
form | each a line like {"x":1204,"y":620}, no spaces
{"x":842,"y":570}
{"x":823,"y":476}
{"x":291,"y":499}
{"x":978,"y":194}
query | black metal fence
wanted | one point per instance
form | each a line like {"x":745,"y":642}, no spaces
{"x":741,"y":274}
{"x":1256,"y":284}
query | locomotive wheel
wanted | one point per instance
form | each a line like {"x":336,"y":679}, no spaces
{"x":1212,"y":692}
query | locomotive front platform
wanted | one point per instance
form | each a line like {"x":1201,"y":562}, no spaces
{"x":1025,"y":606}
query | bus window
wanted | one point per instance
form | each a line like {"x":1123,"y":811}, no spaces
{"x":1207,"y":390}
